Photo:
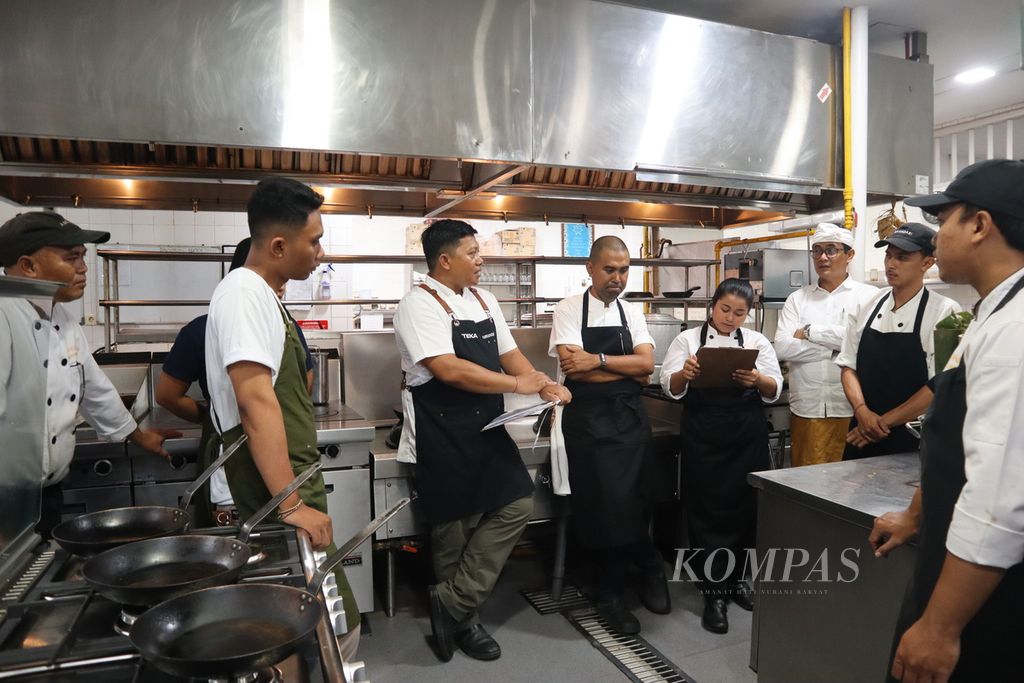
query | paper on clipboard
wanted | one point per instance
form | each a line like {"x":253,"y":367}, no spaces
{"x":719,"y":362}
{"x":513,"y":415}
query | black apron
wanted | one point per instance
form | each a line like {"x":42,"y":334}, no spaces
{"x":891,"y":367}
{"x":607,"y":435}
{"x":724,"y":437}
{"x":990,"y":645}
{"x":461,"y":471}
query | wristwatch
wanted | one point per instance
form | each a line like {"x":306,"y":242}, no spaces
{"x":807,"y":331}
{"x":604,"y":359}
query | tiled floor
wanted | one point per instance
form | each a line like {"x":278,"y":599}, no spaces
{"x":547,"y":648}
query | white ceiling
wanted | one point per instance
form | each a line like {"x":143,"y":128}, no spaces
{"x":961,"y":36}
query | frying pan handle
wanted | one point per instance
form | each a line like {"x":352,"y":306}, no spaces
{"x":274,"y":502}
{"x":186,"y":499}
{"x":317,"y":581}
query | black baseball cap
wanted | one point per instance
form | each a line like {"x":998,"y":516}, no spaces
{"x":995,"y":185}
{"x":911,"y":237}
{"x":26,"y":233}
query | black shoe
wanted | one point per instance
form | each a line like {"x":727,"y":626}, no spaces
{"x":619,"y":619}
{"x":716,"y":618}
{"x":478,"y":643}
{"x":742,"y":595}
{"x":654,"y":593}
{"x":443,"y":626}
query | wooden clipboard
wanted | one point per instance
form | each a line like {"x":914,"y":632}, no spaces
{"x":718,"y":363}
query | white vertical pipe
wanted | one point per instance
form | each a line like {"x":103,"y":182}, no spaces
{"x":953,"y":161}
{"x":970,"y":146}
{"x":1009,"y":138}
{"x":937,"y":162}
{"x":990,"y":142}
{"x":859,"y":124}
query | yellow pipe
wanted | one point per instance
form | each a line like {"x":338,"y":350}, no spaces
{"x":750,"y":240}
{"x":847,"y":126}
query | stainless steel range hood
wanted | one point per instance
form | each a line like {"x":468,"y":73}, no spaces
{"x":552,"y":83}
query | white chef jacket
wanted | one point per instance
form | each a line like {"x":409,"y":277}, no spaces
{"x":687,"y":343}
{"x":815,"y":386}
{"x":74,"y":384}
{"x":567,"y":328}
{"x":888,"y":320}
{"x":424,"y":330}
{"x":988,"y":521}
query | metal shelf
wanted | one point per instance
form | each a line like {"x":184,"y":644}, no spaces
{"x":525,"y":274}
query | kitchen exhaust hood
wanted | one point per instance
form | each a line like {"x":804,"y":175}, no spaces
{"x":647,"y":107}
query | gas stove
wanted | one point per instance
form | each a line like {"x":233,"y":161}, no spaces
{"x":55,"y":628}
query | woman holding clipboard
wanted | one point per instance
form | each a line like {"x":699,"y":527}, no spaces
{"x":724,"y":437}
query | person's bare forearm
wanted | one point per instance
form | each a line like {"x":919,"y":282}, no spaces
{"x":852,"y":388}
{"x":468,"y":376}
{"x":264,"y":425}
{"x":911,"y":409}
{"x":596,"y":376}
{"x":962,"y":588}
{"x":171,"y":394}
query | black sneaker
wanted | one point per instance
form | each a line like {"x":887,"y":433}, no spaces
{"x":619,"y":619}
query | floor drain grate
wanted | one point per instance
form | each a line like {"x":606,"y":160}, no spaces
{"x":571,"y":599}
{"x":633,"y":655}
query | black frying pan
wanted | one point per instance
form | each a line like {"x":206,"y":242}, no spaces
{"x":148,"y":572}
{"x":233,"y":631}
{"x":98,"y":531}
{"x":685,"y":294}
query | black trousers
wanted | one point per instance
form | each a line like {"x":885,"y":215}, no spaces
{"x":50,"y":510}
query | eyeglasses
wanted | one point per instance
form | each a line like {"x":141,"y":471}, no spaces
{"x":830,"y":252}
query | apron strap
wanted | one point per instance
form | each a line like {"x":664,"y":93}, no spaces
{"x":479,"y":298}
{"x":872,"y":316}
{"x":1009,"y":295}
{"x":920,"y":312}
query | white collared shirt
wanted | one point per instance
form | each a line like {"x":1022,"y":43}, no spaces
{"x":988,"y":522}
{"x":688,"y":343}
{"x":815,"y":387}
{"x":74,"y":384}
{"x":900,"y":321}
{"x":567,"y":322}
{"x":424,"y":330}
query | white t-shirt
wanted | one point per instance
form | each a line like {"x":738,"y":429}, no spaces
{"x":245,"y":323}
{"x":567,"y":325}
{"x":688,"y":343}
{"x":424,"y":330}
{"x":900,"y":321}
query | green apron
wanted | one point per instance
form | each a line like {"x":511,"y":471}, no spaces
{"x":202,"y":514}
{"x":244,"y":479}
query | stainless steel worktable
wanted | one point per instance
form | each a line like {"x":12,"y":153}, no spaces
{"x":839,"y":630}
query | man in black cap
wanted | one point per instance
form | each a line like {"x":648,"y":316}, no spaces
{"x":960,"y":619}
{"x":888,"y":354}
{"x":42,"y":245}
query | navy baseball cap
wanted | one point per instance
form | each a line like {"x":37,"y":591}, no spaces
{"x":29,"y":232}
{"x":995,"y":185}
{"x":911,"y":237}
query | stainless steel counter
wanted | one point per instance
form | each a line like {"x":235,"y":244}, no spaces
{"x":840,"y":628}
{"x":856,"y":491}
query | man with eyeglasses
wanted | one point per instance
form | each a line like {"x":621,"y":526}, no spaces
{"x":810,"y":333}
{"x":888,"y":354}
{"x":960,"y":619}
{"x":43,"y":245}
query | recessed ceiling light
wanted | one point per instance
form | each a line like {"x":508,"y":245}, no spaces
{"x":982,"y":73}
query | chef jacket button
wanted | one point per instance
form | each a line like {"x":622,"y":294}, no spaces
{"x":46,"y":363}
{"x":39,"y":326}
{"x":63,"y":361}
{"x":49,"y":401}
{"x":899,"y":325}
{"x":711,"y":336}
{"x":53,"y":441}
{"x":57,"y":327}
{"x":72,"y":398}
{"x":878,"y":317}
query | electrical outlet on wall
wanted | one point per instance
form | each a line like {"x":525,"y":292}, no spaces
{"x":90,"y":319}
